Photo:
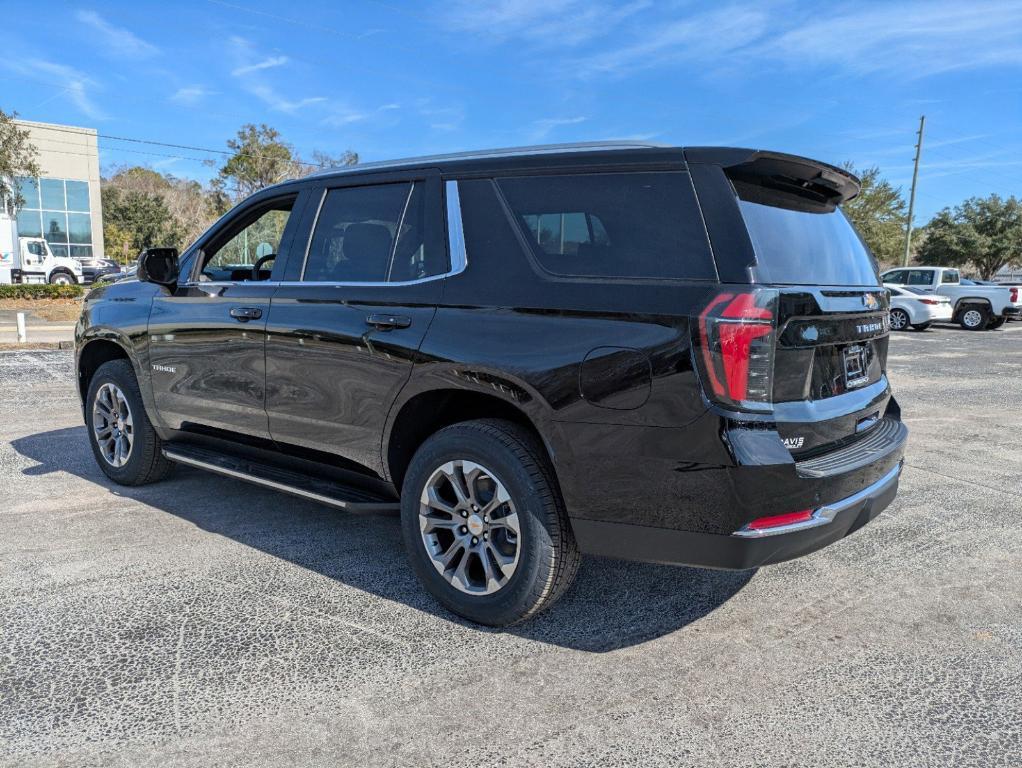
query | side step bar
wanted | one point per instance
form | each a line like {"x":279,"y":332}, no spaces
{"x":296,"y":483}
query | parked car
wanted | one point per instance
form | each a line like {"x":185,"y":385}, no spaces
{"x":94,"y":268}
{"x":121,"y":274}
{"x":913,"y":307}
{"x":653,"y":353}
{"x":974,"y":307}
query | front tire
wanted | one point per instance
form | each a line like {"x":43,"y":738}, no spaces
{"x":62,"y":278}
{"x":974,"y":317}
{"x":123,"y":441}
{"x":899,"y":319}
{"x":484,"y":524}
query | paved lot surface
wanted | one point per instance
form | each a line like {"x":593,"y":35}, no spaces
{"x":203,"y":621}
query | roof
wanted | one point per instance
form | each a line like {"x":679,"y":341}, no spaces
{"x":489,"y":154}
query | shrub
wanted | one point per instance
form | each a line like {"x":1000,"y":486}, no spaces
{"x":33,"y":291}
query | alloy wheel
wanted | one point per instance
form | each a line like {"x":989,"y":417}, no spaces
{"x":898,"y":320}
{"x":112,"y":425}
{"x":470,"y":528}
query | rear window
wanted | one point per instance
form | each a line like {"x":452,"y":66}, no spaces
{"x":624,"y":225}
{"x":804,"y":247}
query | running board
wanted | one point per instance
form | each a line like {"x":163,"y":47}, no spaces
{"x":296,"y":483}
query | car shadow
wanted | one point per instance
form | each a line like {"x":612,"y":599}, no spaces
{"x":612,"y":605}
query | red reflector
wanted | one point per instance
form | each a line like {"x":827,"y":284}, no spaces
{"x":773,"y":521}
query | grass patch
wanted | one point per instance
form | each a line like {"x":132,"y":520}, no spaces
{"x":50,"y":310}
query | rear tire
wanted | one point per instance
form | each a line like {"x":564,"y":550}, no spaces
{"x":899,"y":319}
{"x":996,"y":322}
{"x":497,"y":568}
{"x":123,"y":441}
{"x":921,"y":326}
{"x":974,"y":317}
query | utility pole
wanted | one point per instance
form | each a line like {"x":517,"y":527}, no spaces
{"x":912,"y":194}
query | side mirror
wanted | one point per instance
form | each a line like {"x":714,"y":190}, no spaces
{"x":158,"y":265}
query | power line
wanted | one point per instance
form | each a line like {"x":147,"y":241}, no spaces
{"x":134,"y":140}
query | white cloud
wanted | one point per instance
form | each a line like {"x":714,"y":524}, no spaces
{"x":116,"y":41}
{"x":270,"y":63}
{"x":249,"y":70}
{"x":905,"y":40}
{"x":564,"y":22}
{"x":274,"y":100}
{"x":191,"y":95}
{"x":542,"y":128}
{"x":74,"y":83}
{"x":910,"y":39}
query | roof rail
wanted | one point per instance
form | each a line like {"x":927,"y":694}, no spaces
{"x":486,"y":154}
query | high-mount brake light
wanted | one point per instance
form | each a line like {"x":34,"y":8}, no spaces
{"x":736,"y":341}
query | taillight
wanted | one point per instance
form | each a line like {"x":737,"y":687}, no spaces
{"x":736,"y":347}
{"x":929,"y":301}
{"x":1014,"y":295}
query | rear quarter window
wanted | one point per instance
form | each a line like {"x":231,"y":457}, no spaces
{"x":612,"y":225}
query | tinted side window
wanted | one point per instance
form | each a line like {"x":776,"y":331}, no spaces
{"x":613,"y":224}
{"x":919,"y":277}
{"x":371,"y":234}
{"x":895,"y":277}
{"x":949,"y":276}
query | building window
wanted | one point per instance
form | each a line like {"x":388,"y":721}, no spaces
{"x":57,"y":209}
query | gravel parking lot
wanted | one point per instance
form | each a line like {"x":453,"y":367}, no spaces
{"x":204,"y":621}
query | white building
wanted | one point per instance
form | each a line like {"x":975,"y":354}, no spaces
{"x":63,"y":205}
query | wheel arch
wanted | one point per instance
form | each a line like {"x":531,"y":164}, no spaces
{"x":61,"y":271}
{"x":428,"y":411}
{"x":963,"y":302}
{"x":92,"y":355}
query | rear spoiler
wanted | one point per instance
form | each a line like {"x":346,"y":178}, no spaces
{"x":775,"y":178}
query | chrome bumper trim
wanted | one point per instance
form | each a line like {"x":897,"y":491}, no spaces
{"x":824,"y":514}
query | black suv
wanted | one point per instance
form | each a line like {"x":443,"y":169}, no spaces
{"x":654,"y":353}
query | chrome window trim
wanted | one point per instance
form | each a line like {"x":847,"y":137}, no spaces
{"x":397,"y":232}
{"x":455,"y":229}
{"x":824,"y":514}
{"x":312,"y":232}
{"x":455,"y":246}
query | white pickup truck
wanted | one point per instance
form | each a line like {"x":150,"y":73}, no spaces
{"x":975,"y":307}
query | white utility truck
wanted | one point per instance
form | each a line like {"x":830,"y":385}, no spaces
{"x":30,"y":260}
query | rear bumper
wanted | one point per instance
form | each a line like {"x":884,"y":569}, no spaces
{"x":741,"y":550}
{"x":939,"y":313}
{"x":1012,"y":312}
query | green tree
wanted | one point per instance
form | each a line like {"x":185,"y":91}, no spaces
{"x":260,"y":158}
{"x":878,"y":213}
{"x":985,"y":232}
{"x":136,"y":220}
{"x":17,"y":158}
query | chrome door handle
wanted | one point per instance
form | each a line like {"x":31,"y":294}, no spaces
{"x":244,"y":314}
{"x":385,"y":322}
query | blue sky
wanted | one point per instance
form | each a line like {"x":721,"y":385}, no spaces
{"x":836,"y":81}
